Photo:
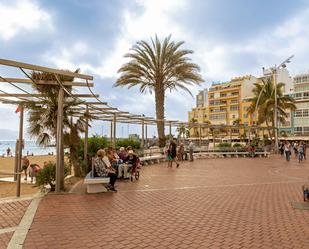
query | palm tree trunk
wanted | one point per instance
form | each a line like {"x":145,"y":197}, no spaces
{"x":74,"y":161}
{"x":159,"y":98}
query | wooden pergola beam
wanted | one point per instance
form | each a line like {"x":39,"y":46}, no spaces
{"x":42,"y":82}
{"x":12,"y":63}
{"x":34,"y":95}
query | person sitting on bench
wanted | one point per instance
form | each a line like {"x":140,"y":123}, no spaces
{"x":130,"y":161}
{"x":103,"y":168}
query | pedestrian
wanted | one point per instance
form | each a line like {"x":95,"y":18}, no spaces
{"x":8,"y":151}
{"x":24,"y":166}
{"x":300,"y":151}
{"x":295,"y":148}
{"x":287,"y":151}
{"x":191,"y":150}
{"x":168,"y":154}
{"x":281,"y":149}
{"x":181,"y":151}
{"x":172,"y":152}
{"x":305,"y":148}
{"x":34,"y":169}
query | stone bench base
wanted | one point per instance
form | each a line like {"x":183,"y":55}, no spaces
{"x":95,"y":184}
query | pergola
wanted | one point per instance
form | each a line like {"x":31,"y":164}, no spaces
{"x":97,"y":110}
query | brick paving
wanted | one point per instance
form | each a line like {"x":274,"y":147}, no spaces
{"x":12,"y":212}
{"x":5,"y":239}
{"x":214,"y":203}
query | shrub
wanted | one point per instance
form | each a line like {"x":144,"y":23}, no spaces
{"x":125,"y":142}
{"x":224,"y":145}
{"x":237,"y":145}
{"x":95,"y":143}
{"x":47,"y":175}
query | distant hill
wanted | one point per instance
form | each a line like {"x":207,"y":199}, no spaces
{"x":6,"y":134}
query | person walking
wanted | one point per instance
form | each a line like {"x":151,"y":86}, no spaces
{"x":181,"y":152}
{"x":191,"y":150}
{"x":173,"y":153}
{"x":287,"y":151}
{"x":8,"y":151}
{"x":24,"y":166}
{"x":305,"y":148}
{"x":300,"y":152}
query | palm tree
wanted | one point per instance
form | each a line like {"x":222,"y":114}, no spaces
{"x":43,"y":116}
{"x":159,"y":67}
{"x":263,"y":103}
{"x":237,"y":123}
{"x":182,"y":131}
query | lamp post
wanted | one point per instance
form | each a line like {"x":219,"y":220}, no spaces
{"x":274,"y":72}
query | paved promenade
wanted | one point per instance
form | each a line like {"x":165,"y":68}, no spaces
{"x":212,"y":203}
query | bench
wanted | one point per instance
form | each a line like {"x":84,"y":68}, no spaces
{"x":220,"y":154}
{"x":152,"y":159}
{"x":95,"y":184}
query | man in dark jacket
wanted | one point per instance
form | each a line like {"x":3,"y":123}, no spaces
{"x":173,"y":153}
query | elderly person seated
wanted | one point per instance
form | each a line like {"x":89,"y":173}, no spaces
{"x":130,"y":161}
{"x":103,"y":167}
{"x":122,"y":153}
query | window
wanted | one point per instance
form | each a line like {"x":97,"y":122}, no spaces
{"x":217,"y":116}
{"x":245,"y":123}
{"x":298,"y":113}
{"x":305,"y":113}
{"x":245,"y":115}
{"x":223,"y":95}
{"x":234,"y":108}
{"x":233,"y":101}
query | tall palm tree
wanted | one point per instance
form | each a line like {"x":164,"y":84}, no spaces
{"x":43,"y":116}
{"x":263,"y":103}
{"x":158,"y":67}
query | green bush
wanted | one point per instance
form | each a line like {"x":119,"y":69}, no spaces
{"x":47,"y":175}
{"x":224,"y":145}
{"x":237,"y":145}
{"x":95,"y":143}
{"x":125,"y":142}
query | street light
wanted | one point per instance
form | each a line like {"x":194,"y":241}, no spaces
{"x":274,"y":72}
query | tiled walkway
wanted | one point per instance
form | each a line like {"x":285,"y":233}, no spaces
{"x":11,"y":214}
{"x":214,"y":203}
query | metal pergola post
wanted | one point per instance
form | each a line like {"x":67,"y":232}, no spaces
{"x":114,"y":130}
{"x":111,"y":132}
{"x":200,"y":137}
{"x":143,"y":136}
{"x":20,"y":148}
{"x":146,"y":135}
{"x":86,"y":142}
{"x":16,"y":161}
{"x":170,"y":130}
{"x":59,"y":143}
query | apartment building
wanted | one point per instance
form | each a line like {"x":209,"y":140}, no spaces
{"x":300,"y":122}
{"x":229,"y":101}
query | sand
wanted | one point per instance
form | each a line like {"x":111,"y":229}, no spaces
{"x":7,"y":163}
{"x":8,"y":189}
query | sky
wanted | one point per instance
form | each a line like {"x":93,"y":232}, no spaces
{"x":229,"y":38}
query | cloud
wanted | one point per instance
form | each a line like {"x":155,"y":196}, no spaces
{"x":22,"y":15}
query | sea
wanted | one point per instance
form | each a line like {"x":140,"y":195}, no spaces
{"x":30,"y":148}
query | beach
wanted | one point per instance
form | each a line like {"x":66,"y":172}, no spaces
{"x":7,"y":163}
